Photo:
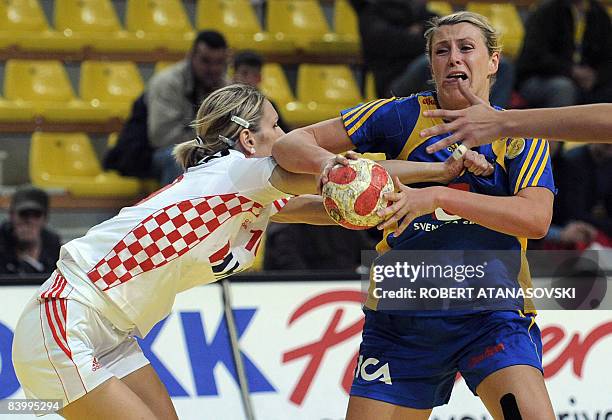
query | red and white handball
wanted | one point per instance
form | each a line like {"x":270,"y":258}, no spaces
{"x":354,"y":193}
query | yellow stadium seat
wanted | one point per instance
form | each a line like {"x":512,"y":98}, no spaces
{"x":237,"y":21}
{"x":322,"y":92}
{"x":346,"y":25}
{"x":93,"y":23}
{"x":303,"y":22}
{"x":23,"y":24}
{"x":160,"y":24}
{"x":370,"y":87}
{"x":110,"y":86}
{"x":162,"y":65}
{"x":440,"y":8}
{"x":505,"y":18}
{"x":112,"y":140}
{"x":275,"y":86}
{"x":43,"y":87}
{"x":15,"y":111}
{"x":68,"y":161}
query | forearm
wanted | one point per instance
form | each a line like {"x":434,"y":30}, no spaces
{"x":304,"y":209}
{"x":299,"y":152}
{"x":307,"y":149}
{"x":413,"y":172}
{"x":583,"y":123}
{"x":516,"y":215}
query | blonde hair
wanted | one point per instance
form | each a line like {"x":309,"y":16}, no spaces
{"x":214,"y":126}
{"x":491,"y":36}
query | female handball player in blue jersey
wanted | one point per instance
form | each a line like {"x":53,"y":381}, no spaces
{"x":75,"y":340}
{"x":497,"y":352}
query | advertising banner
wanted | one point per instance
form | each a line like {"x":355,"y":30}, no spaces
{"x":300,"y":343}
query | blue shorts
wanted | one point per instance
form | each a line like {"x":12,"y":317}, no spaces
{"x":412,"y":361}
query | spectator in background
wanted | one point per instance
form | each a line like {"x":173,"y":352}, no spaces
{"x":391,"y":37}
{"x":174,"y":95}
{"x":584,"y":209}
{"x":27,"y":246}
{"x":394,"y":49}
{"x":247,"y":69}
{"x":567,"y":54}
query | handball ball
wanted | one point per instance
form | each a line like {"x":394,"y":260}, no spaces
{"x":354,"y":193}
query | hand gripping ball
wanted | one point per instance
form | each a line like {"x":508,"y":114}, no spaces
{"x":354,"y":193}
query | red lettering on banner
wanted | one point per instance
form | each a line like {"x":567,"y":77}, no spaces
{"x":576,"y":350}
{"x":331,"y":337}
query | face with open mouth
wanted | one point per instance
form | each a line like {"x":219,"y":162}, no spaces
{"x":459,"y":54}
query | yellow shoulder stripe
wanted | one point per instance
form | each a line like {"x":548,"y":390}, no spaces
{"x":358,"y":108}
{"x":519,"y":179}
{"x":367,"y":115}
{"x":532,"y":165}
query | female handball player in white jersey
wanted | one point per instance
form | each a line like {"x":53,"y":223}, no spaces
{"x":75,"y":340}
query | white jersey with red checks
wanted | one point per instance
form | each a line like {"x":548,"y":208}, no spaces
{"x":206,"y":225}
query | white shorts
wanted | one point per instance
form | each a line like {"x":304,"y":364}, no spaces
{"x":63,"y":349}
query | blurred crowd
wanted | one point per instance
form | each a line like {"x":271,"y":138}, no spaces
{"x":566,"y":59}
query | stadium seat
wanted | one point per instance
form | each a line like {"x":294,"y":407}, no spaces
{"x":68,"y":161}
{"x":162,"y":65}
{"x":43,"y":87}
{"x":303,"y":22}
{"x":93,"y":23}
{"x":346,"y":25}
{"x":322,"y":92}
{"x":370,"y":87}
{"x":110,"y":86}
{"x":440,"y":8}
{"x":505,"y":18}
{"x":23,"y":24}
{"x":237,"y":21}
{"x":15,"y":111}
{"x":275,"y":86}
{"x":160,"y":24}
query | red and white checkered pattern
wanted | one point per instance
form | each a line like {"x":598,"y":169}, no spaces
{"x":166,"y":235}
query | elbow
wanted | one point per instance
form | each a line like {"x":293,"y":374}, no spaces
{"x":538,"y":225}
{"x":279,"y":149}
{"x":282,"y":147}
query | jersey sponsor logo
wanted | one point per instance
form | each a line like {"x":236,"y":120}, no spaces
{"x":382,"y":373}
{"x":429,"y":101}
{"x":488,"y":352}
{"x":515,"y":148}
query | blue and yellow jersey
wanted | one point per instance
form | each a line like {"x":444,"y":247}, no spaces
{"x":392,"y":126}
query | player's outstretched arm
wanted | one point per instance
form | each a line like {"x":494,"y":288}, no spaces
{"x":304,"y":209}
{"x":481,"y":124}
{"x":525,"y":215}
{"x":311,"y":148}
{"x":314,"y":149}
